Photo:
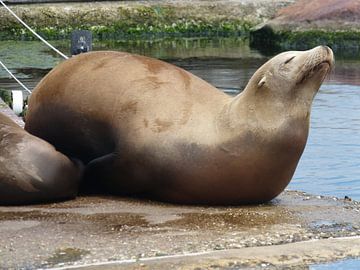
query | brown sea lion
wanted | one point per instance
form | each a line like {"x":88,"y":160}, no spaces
{"x":31,"y":170}
{"x":149,"y":128}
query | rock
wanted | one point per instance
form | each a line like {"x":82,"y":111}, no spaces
{"x":309,"y":23}
{"x":324,"y":14}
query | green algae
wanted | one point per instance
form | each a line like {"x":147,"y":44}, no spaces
{"x":267,"y":39}
{"x":140,"y":22}
{"x":122,"y":30}
{"x":145,"y":30}
{"x":310,"y":38}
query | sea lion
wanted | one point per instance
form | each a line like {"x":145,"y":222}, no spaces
{"x":149,"y":128}
{"x":31,"y":170}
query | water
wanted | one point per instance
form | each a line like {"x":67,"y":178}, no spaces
{"x":330,"y":164}
{"x":352,"y":264}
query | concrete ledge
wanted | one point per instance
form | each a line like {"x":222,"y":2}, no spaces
{"x":116,"y":233}
{"x":287,"y":255}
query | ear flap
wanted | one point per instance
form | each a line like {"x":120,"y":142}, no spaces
{"x":262,"y":81}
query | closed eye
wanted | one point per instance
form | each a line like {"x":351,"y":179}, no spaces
{"x":288,"y":60}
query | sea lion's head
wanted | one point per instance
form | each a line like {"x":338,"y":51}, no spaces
{"x":293,"y":74}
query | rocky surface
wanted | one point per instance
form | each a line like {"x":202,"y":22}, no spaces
{"x":320,"y":14}
{"x":307,"y":23}
{"x":110,"y":231}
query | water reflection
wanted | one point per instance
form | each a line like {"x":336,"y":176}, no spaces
{"x":331,"y":162}
{"x":230,"y":74}
{"x":346,"y":72}
{"x":352,"y":264}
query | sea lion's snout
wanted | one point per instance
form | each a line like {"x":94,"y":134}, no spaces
{"x":323,"y":57}
{"x":328,"y":56}
{"x":318,"y":63}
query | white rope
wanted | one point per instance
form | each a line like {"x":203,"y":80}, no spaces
{"x":13,"y":76}
{"x":32,"y":31}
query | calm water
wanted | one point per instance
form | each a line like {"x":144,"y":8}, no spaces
{"x":352,"y":264}
{"x":330,"y":164}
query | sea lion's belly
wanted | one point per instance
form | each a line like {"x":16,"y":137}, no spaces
{"x":193,"y":172}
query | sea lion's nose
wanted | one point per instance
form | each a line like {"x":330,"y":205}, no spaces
{"x":323,"y":48}
{"x":328,"y":50}
{"x":329,"y":55}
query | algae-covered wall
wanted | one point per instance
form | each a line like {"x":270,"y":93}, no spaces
{"x":270,"y":24}
{"x":122,"y":19}
{"x":268,"y":39}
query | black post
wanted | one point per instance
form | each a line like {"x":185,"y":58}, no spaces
{"x":81,"y":42}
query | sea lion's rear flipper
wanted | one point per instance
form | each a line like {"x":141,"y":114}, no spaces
{"x":98,"y":174}
{"x":111,"y":174}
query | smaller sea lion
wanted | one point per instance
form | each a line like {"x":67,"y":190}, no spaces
{"x":31,"y":170}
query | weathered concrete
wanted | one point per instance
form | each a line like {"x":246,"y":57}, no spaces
{"x":287,"y":256}
{"x":100,"y":230}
